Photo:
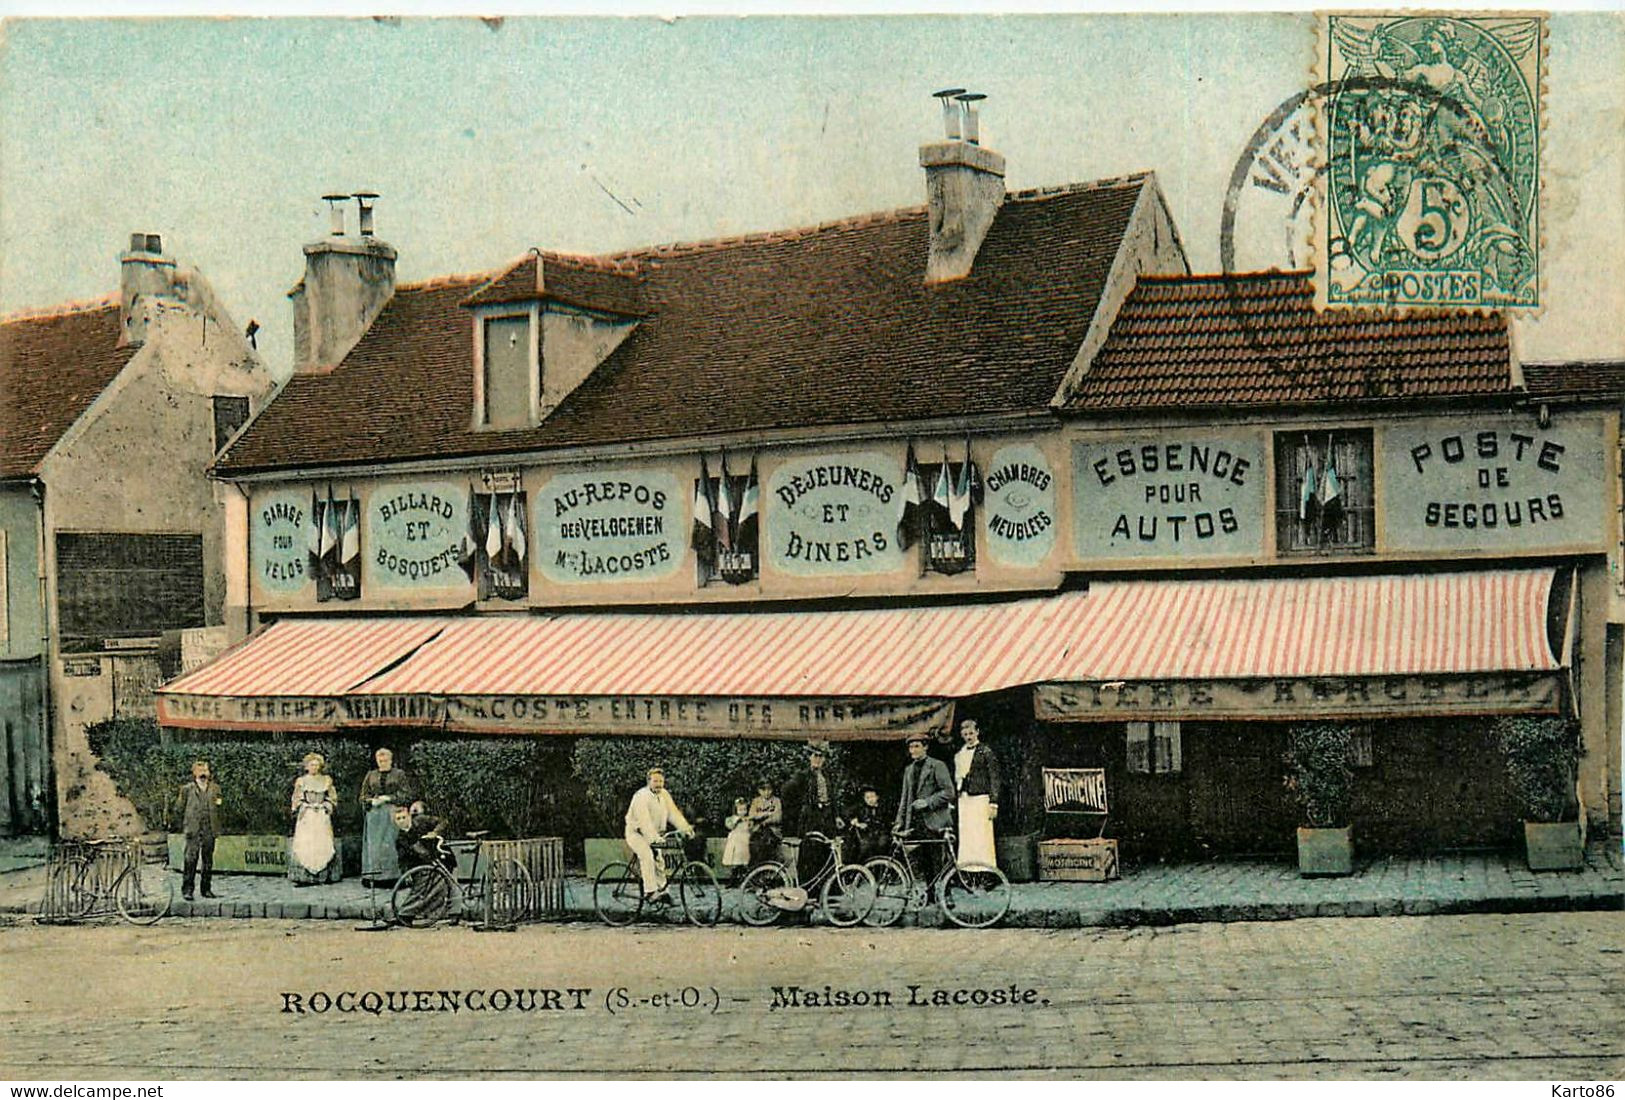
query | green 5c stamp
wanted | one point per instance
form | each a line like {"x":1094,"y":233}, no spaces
{"x":1431,"y":138}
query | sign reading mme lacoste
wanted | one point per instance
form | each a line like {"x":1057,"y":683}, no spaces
{"x":835,"y":514}
{"x":1168,"y":494}
{"x":418,"y":534}
{"x":1019,"y":503}
{"x":1495,"y":483}
{"x":611,"y":525}
{"x":279,"y":524}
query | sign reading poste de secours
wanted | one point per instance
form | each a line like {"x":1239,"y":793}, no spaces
{"x":1169,"y":494}
{"x":835,"y":514}
{"x":611,"y":526}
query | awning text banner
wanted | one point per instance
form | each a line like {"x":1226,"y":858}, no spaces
{"x":848,"y":719}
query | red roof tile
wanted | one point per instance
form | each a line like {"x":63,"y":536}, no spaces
{"x":1208,"y":340}
{"x":828,"y":325}
{"x":1600,"y":378}
{"x":52,"y":366}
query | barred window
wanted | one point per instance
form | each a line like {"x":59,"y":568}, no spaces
{"x":1154,"y":748}
{"x":1323,"y":494}
{"x":111,"y":585}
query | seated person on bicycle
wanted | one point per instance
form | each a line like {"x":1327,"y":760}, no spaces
{"x":650,"y":813}
{"x":420,"y":841}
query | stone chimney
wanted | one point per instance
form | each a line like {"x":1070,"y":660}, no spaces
{"x":347,"y":281}
{"x":144,"y":273}
{"x":964,"y":186}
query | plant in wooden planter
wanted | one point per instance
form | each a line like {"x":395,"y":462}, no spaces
{"x":1320,"y":776}
{"x":1542,"y":754}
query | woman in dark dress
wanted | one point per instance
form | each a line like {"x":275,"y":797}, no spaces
{"x":385,"y":788}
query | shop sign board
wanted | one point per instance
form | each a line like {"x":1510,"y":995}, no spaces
{"x":1308,"y":697}
{"x":831,"y":515}
{"x":1500,"y":483}
{"x":1019,"y":505}
{"x":279,"y":540}
{"x":611,"y":526}
{"x":676,"y":716}
{"x":418,"y":535}
{"x":1175,"y":495}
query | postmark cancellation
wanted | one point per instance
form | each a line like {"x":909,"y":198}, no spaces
{"x":1430,"y":135}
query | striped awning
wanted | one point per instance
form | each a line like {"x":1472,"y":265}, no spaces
{"x":1442,"y":624}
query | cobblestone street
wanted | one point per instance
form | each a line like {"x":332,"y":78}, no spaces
{"x":1519,"y":996}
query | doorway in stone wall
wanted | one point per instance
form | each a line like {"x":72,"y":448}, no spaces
{"x":1239,"y":803}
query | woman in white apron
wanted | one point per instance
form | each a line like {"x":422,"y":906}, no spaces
{"x":313,"y":854}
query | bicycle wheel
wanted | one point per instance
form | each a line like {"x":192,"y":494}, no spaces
{"x":894,"y":888}
{"x":848,"y":895}
{"x":510,"y":893}
{"x":422,"y":897}
{"x":617,"y":894}
{"x":85,"y":892}
{"x":753,"y":893}
{"x":975,"y":895}
{"x":701,"y":896}
{"x":140,"y":900}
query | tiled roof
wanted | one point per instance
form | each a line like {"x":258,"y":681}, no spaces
{"x":1222,"y":340}
{"x":612,"y":286}
{"x":1601,"y":378}
{"x":828,"y":325}
{"x":52,"y":366}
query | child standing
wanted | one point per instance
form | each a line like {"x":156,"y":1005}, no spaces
{"x":736,"y":852}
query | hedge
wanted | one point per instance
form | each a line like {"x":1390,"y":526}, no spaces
{"x":1541,"y":755}
{"x":1320,"y":774}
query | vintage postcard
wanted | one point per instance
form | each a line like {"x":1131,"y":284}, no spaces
{"x":936,"y":546}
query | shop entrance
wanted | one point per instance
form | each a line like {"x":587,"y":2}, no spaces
{"x":1239,"y":803}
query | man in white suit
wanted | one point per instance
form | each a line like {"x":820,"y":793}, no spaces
{"x":650,"y":813}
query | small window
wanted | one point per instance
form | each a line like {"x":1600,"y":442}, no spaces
{"x":115,"y":585}
{"x":1154,"y":748}
{"x":502,"y":545}
{"x":726,"y":542}
{"x":1323,"y":498}
{"x":948,"y":493}
{"x":1362,"y":749}
{"x":507,"y":372}
{"x":230,"y":413}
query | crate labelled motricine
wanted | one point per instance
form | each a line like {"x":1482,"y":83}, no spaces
{"x":1070,"y":860}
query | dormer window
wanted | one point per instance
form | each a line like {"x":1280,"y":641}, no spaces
{"x":508,"y":370}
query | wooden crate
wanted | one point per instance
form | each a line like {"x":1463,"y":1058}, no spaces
{"x":1077,"y":860}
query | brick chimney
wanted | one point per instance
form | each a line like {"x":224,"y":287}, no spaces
{"x":144,"y":273}
{"x":348,"y":279}
{"x":964,"y":186}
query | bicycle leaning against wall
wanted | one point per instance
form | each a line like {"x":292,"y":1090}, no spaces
{"x":92,"y":877}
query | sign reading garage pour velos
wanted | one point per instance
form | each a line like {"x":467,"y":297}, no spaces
{"x":416,"y":533}
{"x":612,"y":525}
{"x":835,"y":514}
{"x":280,"y":541}
{"x":1494,"y":483}
{"x":1019,"y":505}
{"x":1166,"y":494}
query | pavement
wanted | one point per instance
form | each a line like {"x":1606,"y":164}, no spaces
{"x":1151,"y":895}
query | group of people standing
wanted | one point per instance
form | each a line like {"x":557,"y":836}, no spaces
{"x":928,"y":800}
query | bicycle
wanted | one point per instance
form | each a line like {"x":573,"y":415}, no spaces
{"x":104,"y":874}
{"x":846,"y":891}
{"x":617,"y":892}
{"x":972,"y":895}
{"x":430,"y":892}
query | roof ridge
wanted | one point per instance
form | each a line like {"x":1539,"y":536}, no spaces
{"x":1056,"y":190}
{"x":61,"y":309}
{"x":467,"y":278}
{"x":1225,"y":276}
{"x":767,"y":236}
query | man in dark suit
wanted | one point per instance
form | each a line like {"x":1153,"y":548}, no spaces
{"x":198,"y":805}
{"x":976,"y":770}
{"x":923,"y":807}
{"x":813,"y":799}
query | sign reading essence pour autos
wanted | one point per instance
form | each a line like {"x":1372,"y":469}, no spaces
{"x":611,"y":525}
{"x":835,"y":514}
{"x":1495,"y":483}
{"x":1173,"y":495}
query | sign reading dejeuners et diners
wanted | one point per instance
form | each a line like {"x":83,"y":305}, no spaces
{"x":614,"y":525}
{"x":1495,"y":483}
{"x":417,"y":534}
{"x":279,"y":541}
{"x":1020,"y":505}
{"x":835,"y":514}
{"x":1169,"y":495}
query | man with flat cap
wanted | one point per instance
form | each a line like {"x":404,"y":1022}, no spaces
{"x":923,"y":807}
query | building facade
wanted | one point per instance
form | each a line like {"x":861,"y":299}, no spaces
{"x":111,"y":532}
{"x":999,"y":455}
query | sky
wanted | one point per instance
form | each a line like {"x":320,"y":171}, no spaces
{"x":484,"y":139}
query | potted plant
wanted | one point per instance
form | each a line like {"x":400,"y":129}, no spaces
{"x":1541,"y":757}
{"x":1320,"y":776}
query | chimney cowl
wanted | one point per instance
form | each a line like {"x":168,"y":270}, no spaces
{"x":964,"y":183}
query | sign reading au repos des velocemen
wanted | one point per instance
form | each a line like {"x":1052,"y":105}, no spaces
{"x":415,"y":534}
{"x":280,"y":526}
{"x":613,"y":525}
{"x":834,"y":514}
{"x":1169,"y":494}
{"x":1019,"y":505}
{"x":1495,"y":483}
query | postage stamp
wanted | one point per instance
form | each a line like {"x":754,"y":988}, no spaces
{"x":1432,"y":146}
